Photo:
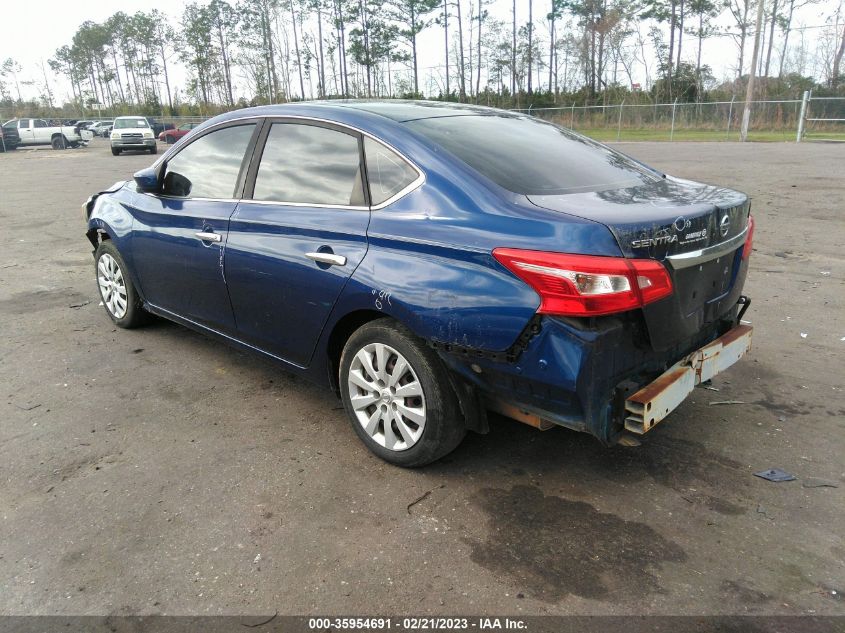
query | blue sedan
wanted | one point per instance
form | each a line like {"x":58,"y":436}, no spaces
{"x":433,"y":262}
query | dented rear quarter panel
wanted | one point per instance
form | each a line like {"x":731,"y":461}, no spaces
{"x":429,"y":262}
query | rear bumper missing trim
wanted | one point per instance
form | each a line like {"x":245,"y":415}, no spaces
{"x":651,"y":404}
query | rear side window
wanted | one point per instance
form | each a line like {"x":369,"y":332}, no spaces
{"x":209,"y":167}
{"x":529,"y":156}
{"x":307,"y":164}
{"x":41,"y":123}
{"x":387,"y":172}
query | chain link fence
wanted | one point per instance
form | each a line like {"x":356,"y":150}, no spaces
{"x":711,"y":121}
{"x":824,"y":119}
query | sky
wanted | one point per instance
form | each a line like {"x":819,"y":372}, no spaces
{"x":51,"y":24}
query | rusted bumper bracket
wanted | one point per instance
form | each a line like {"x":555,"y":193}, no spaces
{"x":651,"y":404}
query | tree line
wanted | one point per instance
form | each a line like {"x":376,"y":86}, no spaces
{"x":272,"y":51}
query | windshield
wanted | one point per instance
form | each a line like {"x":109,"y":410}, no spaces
{"x":529,"y":156}
{"x":127,"y":123}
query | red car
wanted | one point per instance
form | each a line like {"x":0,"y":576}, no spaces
{"x":171,"y":136}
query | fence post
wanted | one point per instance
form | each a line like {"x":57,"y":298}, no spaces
{"x":672,"y":131}
{"x":619,"y":124}
{"x":801,"y":116}
{"x":730,"y":116}
{"x":572,"y":117}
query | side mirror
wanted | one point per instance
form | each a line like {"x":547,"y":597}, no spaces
{"x":147,"y":180}
{"x":175,"y":184}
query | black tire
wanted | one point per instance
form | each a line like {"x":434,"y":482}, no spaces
{"x":115,"y":151}
{"x":59,"y":142}
{"x":154,"y":150}
{"x":444,"y":426}
{"x":169,"y":140}
{"x":135,"y":314}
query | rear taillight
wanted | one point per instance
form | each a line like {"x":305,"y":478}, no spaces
{"x":746,"y":250}
{"x":585,"y":285}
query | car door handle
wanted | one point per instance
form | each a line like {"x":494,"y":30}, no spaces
{"x":327,"y":258}
{"x":209,"y":237}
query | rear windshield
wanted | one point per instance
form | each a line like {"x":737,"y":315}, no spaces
{"x":126,"y":123}
{"x":530,"y":156}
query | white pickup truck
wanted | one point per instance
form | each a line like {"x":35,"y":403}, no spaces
{"x":39,"y":132}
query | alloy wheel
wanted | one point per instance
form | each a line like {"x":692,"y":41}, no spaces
{"x":387,"y":397}
{"x":112,"y":285}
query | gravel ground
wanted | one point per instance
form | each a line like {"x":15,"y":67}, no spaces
{"x":158,"y":471}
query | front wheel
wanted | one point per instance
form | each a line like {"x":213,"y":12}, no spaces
{"x":120,"y":299}
{"x":154,"y":150}
{"x":398,"y":396}
{"x":115,"y":151}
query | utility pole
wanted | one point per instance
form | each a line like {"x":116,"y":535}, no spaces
{"x":749,"y":92}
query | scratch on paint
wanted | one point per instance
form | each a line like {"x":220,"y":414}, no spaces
{"x":381,"y":297}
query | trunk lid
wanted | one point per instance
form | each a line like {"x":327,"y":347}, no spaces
{"x":697,"y":231}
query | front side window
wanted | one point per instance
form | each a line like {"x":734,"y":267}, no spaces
{"x":308,"y":164}
{"x":209,"y":167}
{"x":24,"y":124}
{"x":387,"y":172}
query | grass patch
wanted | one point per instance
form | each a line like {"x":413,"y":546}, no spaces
{"x":779,"y":136}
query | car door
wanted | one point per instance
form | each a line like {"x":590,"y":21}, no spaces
{"x":179,"y":235}
{"x":26,"y":131}
{"x":297,"y":236}
{"x":41,"y":131}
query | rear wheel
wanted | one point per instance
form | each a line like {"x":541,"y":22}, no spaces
{"x":169,"y":140}
{"x":59,"y":142}
{"x":398,"y":396}
{"x":120,"y":299}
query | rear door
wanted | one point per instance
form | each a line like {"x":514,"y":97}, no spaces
{"x":41,"y":131}
{"x":179,"y":236}
{"x":297,"y":236}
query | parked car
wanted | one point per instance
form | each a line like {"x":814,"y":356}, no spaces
{"x":171,"y":136}
{"x":40,"y":132}
{"x":158,"y":127}
{"x":432,"y":262}
{"x":9,"y":138}
{"x":83,"y":125}
{"x":101,"y":128}
{"x":132,"y":133}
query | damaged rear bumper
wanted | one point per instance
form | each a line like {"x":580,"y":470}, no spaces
{"x":651,"y":404}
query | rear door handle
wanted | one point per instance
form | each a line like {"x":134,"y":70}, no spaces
{"x":327,"y":258}
{"x":209,"y":237}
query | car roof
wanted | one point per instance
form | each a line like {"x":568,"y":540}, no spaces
{"x":343,"y":109}
{"x":403,"y":111}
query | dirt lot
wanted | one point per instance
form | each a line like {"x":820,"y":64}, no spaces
{"x":157,"y":471}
